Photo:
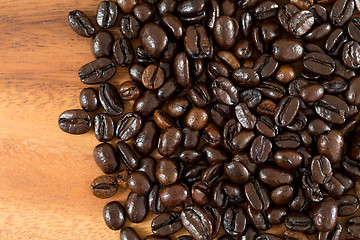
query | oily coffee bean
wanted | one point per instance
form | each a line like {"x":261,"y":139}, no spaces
{"x":246,"y":4}
{"x":129,"y":233}
{"x":89,"y":100}
{"x":142,"y":56}
{"x":152,"y":77}
{"x":146,"y":140}
{"x":193,"y":174}
{"x":282,"y":195}
{"x":243,"y":49}
{"x":310,"y":187}
{"x":285,"y":13}
{"x":335,"y":85}
{"x":174,"y":195}
{"x":286,"y":110}
{"x":75,"y":121}
{"x":299,"y":222}
{"x":352,"y":93}
{"x":129,"y":26}
{"x":288,"y":159}
{"x":104,"y":186}
{"x":182,"y":69}
{"x":211,"y":174}
{"x":106,"y":158}
{"x":200,"y":193}
{"x":136,"y":207}
{"x":277,"y":215}
{"x":104,"y":127}
{"x":98,"y":71}
{"x":123,"y":52}
{"x":101,"y":44}
{"x":144,"y":12}
{"x":265,"y":66}
{"x":169,"y":141}
{"x":139,"y":183}
{"x":287,"y":50}
{"x":350,"y":55}
{"x":266,"y":126}
{"x":318,"y":32}
{"x":127,"y":6}
{"x":346,"y":181}
{"x":316,"y":127}
{"x":319,"y":63}
{"x":173,"y":25}
{"x":146,"y":104}
{"x":300,"y":23}
{"x":267,"y":106}
{"x":260,"y":149}
{"x":331,"y":145}
{"x":166,"y":223}
{"x":332,"y":109}
{"x":162,"y":119}
{"x":148,"y":166}
{"x":251,"y":97}
{"x":321,"y":169}
{"x":354,"y":30}
{"x":221,"y":113}
{"x":286,"y":140}
{"x":334,"y":187}
{"x":154,"y":39}
{"x":166,"y":171}
{"x":267,"y":236}
{"x":236,"y":172}
{"x":197,"y":43}
{"x":225,"y":31}
{"x":312,"y":93}
{"x":176,"y":107}
{"x":191,"y":138}
{"x":351,"y":167}
{"x":300,"y":201}
{"x":258,"y":218}
{"x":110,"y":99}
{"x":107,"y":14}
{"x":270,"y":31}
{"x":135,"y":72}
{"x":257,"y":195}
{"x":341,"y":12}
{"x":127,"y":155}
{"x":246,"y":77}
{"x":336,"y":41}
{"x":155,"y":204}
{"x":211,"y":134}
{"x":334,"y":234}
{"x":244,"y":116}
{"x":123,"y":176}
{"x":234,"y":220}
{"x":169,"y":89}
{"x":114,"y":215}
{"x":197,"y":222}
{"x":165,"y":6}
{"x":129,"y":90}
{"x":324,"y":214}
{"x":80,"y":23}
{"x":352,"y":227}
{"x":215,"y":216}
{"x":225,"y":91}
{"x":196,"y":118}
{"x":128,"y":126}
{"x":199,"y":94}
{"x":265,"y":10}
{"x":347,"y":205}
{"x":285,"y":73}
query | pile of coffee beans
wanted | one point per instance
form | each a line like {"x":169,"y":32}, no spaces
{"x":244,"y":116}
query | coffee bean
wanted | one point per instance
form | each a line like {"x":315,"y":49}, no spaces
{"x":350,"y":55}
{"x":319,"y":63}
{"x":285,"y":13}
{"x":154,"y":39}
{"x":260,"y":149}
{"x":128,"y":126}
{"x":191,"y":138}
{"x":288,"y":159}
{"x":127,"y":155}
{"x":282,"y":195}
{"x":139,"y":183}
{"x":258,"y":218}
{"x":104,"y":186}
{"x":169,"y":141}
{"x":266,"y":66}
{"x":336,"y":41}
{"x":174,"y":195}
{"x":347,"y":205}
{"x":200,"y":193}
{"x":123,"y":52}
{"x":236,"y":172}
{"x":324,"y":214}
{"x":155,"y":203}
{"x":310,"y":187}
{"x":144,"y":12}
{"x":199,"y":94}
{"x":331,"y":145}
{"x":129,"y":233}
{"x":147,"y":165}
{"x":146,"y":140}
{"x":106,"y":158}
{"x":211,"y":174}
{"x":287,"y":50}
{"x":110,"y":99}
{"x":321,"y":169}
{"x":196,"y":118}
{"x":75,"y":121}
{"x":146,"y":104}
{"x":334,"y":234}
{"x":197,"y":43}
{"x":166,"y":6}
{"x":234,"y":220}
{"x":225,"y":91}
{"x":226,"y":30}
{"x":114,"y":215}
{"x":286,"y":110}
{"x":182,"y":69}
{"x":101,"y":44}
{"x":197,"y":222}
{"x":98,"y":71}
{"x":166,"y":223}
{"x":228,"y":59}
{"x":275,"y":176}
{"x":80,"y":23}
{"x":287,"y":140}
{"x":166,"y":171}
{"x":104,"y":127}
{"x":136,"y":207}
{"x":257,"y":195}
{"x":332,"y":109}
{"x":341,"y":12}
{"x":265,"y":10}
{"x":299,"y":222}
{"x":153,"y":77}
{"x":277,"y":214}
{"x":246,"y":77}
{"x":129,"y":26}
{"x":107,"y":14}
{"x":127,"y":6}
{"x":129,"y":90}
{"x":267,"y":236}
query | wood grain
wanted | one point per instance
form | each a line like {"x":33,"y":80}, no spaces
{"x":45,"y":173}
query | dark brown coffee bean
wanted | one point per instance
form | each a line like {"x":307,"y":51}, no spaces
{"x":321,"y":169}
{"x":258,"y":218}
{"x":104,"y":186}
{"x":110,"y":99}
{"x":300,"y":202}
{"x":350,"y":55}
{"x":127,"y":6}
{"x":177,"y":107}
{"x":221,"y":113}
{"x":225,"y":91}
{"x":331,"y":145}
{"x":142,"y":56}
{"x":288,"y":159}
{"x":166,"y":6}
{"x":127,"y":155}
{"x":139,"y":183}
{"x":211,"y":174}
{"x":129,"y":26}
{"x":144,"y":12}
{"x":191,"y":138}
{"x":319,"y":63}
{"x":334,"y":187}
{"x":154,"y":39}
{"x":300,"y":23}
{"x":324,"y":214}
{"x":199,"y":94}
{"x":146,"y":104}
{"x":257,"y":195}
{"x":341,"y":12}
{"x":287,"y":50}
{"x":107,"y":14}
{"x":282,"y":195}
{"x":75,"y":121}
{"x":260,"y":149}
{"x":335,"y":41}
{"x":182,"y":69}
{"x":152,"y":77}
{"x":275,"y":176}
{"x":166,"y":223}
{"x":334,"y":234}
{"x":106,"y":158}
{"x":168,"y":90}
{"x":311,"y":93}
{"x":347,"y":205}
{"x":277,"y":214}
{"x":128,"y":126}
{"x":197,"y":222}
{"x":267,"y":106}
{"x":332,"y":109}
{"x":353,"y":227}
{"x":246,"y":77}
{"x":285,"y":13}
{"x":351,"y":167}
{"x":101,"y":44}
{"x":226,"y":30}
{"x":299,"y":222}
{"x":114,"y":215}
{"x":196,"y":118}
{"x":80,"y":23}
{"x":234,"y":220}
{"x":89,"y":100}
{"x":136,"y":207}
{"x":244,"y":116}
{"x":287,"y":140}
{"x":245,"y":23}
{"x":146,"y":140}
{"x":236,"y":172}
{"x":310,"y":187}
{"x":197,"y":43}
{"x":346,"y":181}
{"x":228,"y":59}
{"x":211,"y":134}
{"x":129,"y":90}
{"x":169,"y":141}
{"x":123,"y":52}
{"x":353,"y":29}
{"x":265,"y":10}
{"x":98,"y":71}
{"x":173,"y":25}
{"x":129,"y":233}
{"x":147,"y":165}
{"x":266,"y":66}
{"x":155,"y":203}
{"x":174,"y":195}
{"x":135,"y":72}
{"x":104,"y":127}
{"x":166,"y":171}
{"x":286,"y":110}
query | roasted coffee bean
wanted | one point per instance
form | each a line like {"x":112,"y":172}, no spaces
{"x":324,"y":214}
{"x":246,"y":4}
{"x":310,"y":187}
{"x":335,"y":41}
{"x":162,"y":119}
{"x":257,"y":195}
{"x":136,"y":207}
{"x":319,"y":63}
{"x":129,"y":90}
{"x":316,"y":127}
{"x":154,"y":39}
{"x":267,"y":106}
{"x":169,"y":141}
{"x":127,"y":155}
{"x":139,"y":183}
{"x":114,"y":215}
{"x":129,"y":26}
{"x":128,"y":126}
{"x":197,"y":43}
{"x":173,"y":25}
{"x":101,"y":44}
{"x":265,"y":66}
{"x":176,"y":107}
{"x":144,"y":12}
{"x":243,"y":49}
{"x":166,"y":171}
{"x":168,"y":89}
{"x":332,"y":109}
{"x":104,"y":127}
{"x":122,"y":177}
{"x":260,"y":149}
{"x":216,"y":217}
{"x":219,"y":197}
{"x":129,"y":233}
{"x":333,"y":234}
{"x":300,"y":202}
{"x":350,"y":55}
{"x":146,"y":104}
{"x":228,"y":59}
{"x":353,"y":29}
{"x":135,"y":72}
{"x":299,"y":222}
{"x":285,"y":13}
{"x":80,"y":23}
{"x":335,"y":85}
{"x":221,"y":113}
{"x":142,"y":56}
{"x":148,"y":166}
{"x":182,"y":69}
{"x":75,"y":121}
{"x":246,"y":77}
{"x":234,"y":220}
{"x":258,"y":218}
{"x":288,"y":159}
{"x":331,"y":145}
{"x":106,"y":158}
{"x":287,"y":140}
{"x":211,"y":134}
{"x":196,"y":118}
{"x":155,"y":203}
{"x":352,"y":93}
{"x":98,"y":71}
{"x":191,"y":138}
{"x":200,"y":193}
{"x":285,"y":73}
{"x":351,"y":167}
{"x":166,"y":6}
{"x":347,"y":205}
{"x":341,"y":12}
{"x":174,"y":195}
{"x":110,"y":99}
{"x":244,"y":116}
{"x":266,"y":126}
{"x":197,"y":222}
{"x":246,"y":22}
{"x":334,"y":187}
{"x":104,"y":186}
{"x":226,"y":30}
{"x":265,"y":10}
{"x":127,"y":6}
{"x":225,"y":91}
{"x":233,"y":193}
{"x":146,"y":140}
{"x":321,"y":169}
{"x":89,"y":100}
{"x":282,"y":195}
{"x":199,"y":94}
{"x":318,"y":32}
{"x":166,"y":223}
{"x":277,"y":215}
{"x":286,"y":110}
{"x":352,"y":227}
{"x":153,"y":77}
{"x":123,"y":52}
{"x":287,"y":50}
{"x":107,"y":14}
{"x":300,"y":23}
{"x":193,"y":174}
{"x":270,"y":31}
{"x":267,"y":236}
{"x":211,"y":174}
{"x":251,"y":97}
{"x":346,"y":181}
{"x":311,"y":93}
{"x":236,"y":172}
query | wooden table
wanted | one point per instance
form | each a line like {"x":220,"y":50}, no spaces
{"x":44,"y":172}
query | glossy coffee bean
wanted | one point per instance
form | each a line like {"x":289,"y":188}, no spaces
{"x":347,"y":205}
{"x":285,"y":73}
{"x":104,"y":186}
{"x":299,"y":222}
{"x":114,"y":215}
{"x":191,"y":138}
{"x":199,"y":94}
{"x":265,"y":66}
{"x":260,"y":149}
{"x":332,"y":109}
{"x":319,"y":63}
{"x":129,"y":90}
{"x":331,"y":145}
{"x":123,"y":52}
{"x":89,"y":100}
{"x":169,"y":141}
{"x":75,"y":121}
{"x":145,"y":142}
{"x":258,"y":218}
{"x":288,"y":159}
{"x":341,"y":12}
{"x":311,"y":93}
{"x":236,"y":172}
{"x":257,"y":195}
{"x":321,"y":169}
{"x":174,"y":195}
{"x":225,"y":91}
{"x":107,"y":14}
{"x":211,"y":134}
{"x":110,"y":99}
{"x":197,"y":43}
{"x":211,"y":174}
{"x":277,"y":214}
{"x":173,"y":25}
{"x":129,"y":233}
{"x":169,"y":89}
{"x":128,"y":126}
{"x":136,"y":207}
{"x":129,"y":26}
{"x":166,"y":171}
{"x":146,"y":104}
{"x":80,"y":23}
{"x":127,"y":6}
{"x":251,"y":97}
{"x":197,"y":118}
{"x":287,"y":50}
{"x":182,"y":69}
{"x":104,"y":127}
{"x":225,"y":32}
{"x":334,"y":234}
{"x":244,"y":116}
{"x":106,"y":158}
{"x":300,"y":23}
{"x":144,"y":12}
{"x":139,"y":183}
{"x":166,"y":223}
{"x":176,"y":107}
{"x":98,"y":71}
{"x":152,"y":77}
{"x":324,"y":214}
{"x":310,"y":187}
{"x":154,"y":39}
{"x":267,"y":236}
{"x":147,"y":165}
{"x":234,"y":220}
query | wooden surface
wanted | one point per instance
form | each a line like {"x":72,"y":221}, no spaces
{"x":44,"y":172}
